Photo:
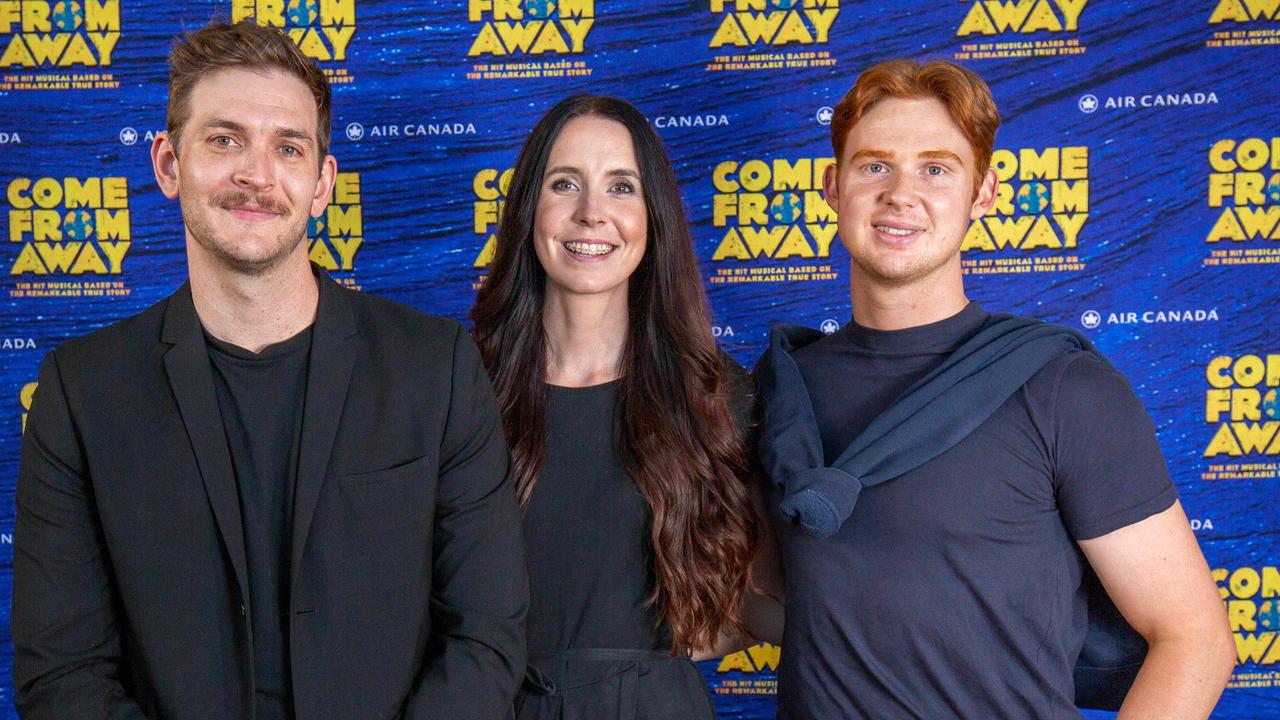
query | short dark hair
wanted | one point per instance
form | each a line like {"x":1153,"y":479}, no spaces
{"x":218,"y":46}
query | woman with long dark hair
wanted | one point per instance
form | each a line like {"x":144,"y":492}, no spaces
{"x":626,"y":423}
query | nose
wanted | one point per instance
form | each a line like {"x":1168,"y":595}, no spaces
{"x":590,"y":209}
{"x":901,"y":190}
{"x":255,"y":169}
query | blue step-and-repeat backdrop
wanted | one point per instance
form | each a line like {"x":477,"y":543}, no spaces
{"x":1140,"y":198}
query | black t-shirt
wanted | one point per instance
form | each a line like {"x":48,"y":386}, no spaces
{"x":586,"y":534}
{"x":260,"y":397}
{"x":954,"y":590}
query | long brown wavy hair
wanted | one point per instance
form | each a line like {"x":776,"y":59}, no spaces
{"x":674,"y":431}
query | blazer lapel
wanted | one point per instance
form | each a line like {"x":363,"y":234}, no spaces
{"x":333,"y":355}
{"x":191,"y":379}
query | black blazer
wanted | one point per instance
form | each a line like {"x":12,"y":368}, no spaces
{"x":409,"y":586}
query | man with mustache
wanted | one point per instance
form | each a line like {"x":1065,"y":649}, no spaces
{"x":266,"y":496}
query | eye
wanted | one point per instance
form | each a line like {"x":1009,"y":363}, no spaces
{"x":563,"y":185}
{"x":623,"y":187}
{"x":936,"y":170}
{"x":290,"y":151}
{"x":876,"y":168}
{"x":222,"y":141}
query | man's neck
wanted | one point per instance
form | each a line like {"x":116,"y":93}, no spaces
{"x":881,"y":307}
{"x":254,"y":311}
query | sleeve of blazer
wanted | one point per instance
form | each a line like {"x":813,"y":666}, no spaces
{"x":66,"y":644}
{"x":480,"y":594}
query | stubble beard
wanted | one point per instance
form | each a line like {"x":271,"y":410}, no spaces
{"x":202,"y":230}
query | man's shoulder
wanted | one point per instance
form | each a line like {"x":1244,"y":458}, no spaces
{"x":374,"y":313}
{"x":123,"y":340}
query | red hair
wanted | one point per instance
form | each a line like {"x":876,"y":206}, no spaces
{"x":967,"y":99}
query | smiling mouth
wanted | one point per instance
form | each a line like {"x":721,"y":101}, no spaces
{"x":896,"y":231}
{"x":589,"y":249}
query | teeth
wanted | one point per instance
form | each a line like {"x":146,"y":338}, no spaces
{"x":582,"y":248}
{"x":893,"y":230}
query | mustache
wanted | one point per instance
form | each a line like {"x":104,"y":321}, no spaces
{"x":238,"y":198}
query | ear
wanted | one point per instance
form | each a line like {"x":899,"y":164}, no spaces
{"x":164,"y":163}
{"x":986,"y":195}
{"x":324,"y":185}
{"x":831,"y":185}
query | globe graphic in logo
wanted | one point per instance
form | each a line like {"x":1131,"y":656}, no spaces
{"x":1032,"y":197}
{"x":315,"y":226}
{"x":1269,"y":615}
{"x":67,"y":16}
{"x":78,"y":225}
{"x":1271,"y":404}
{"x":1273,"y":189}
{"x":302,"y":12}
{"x":784,"y":4}
{"x":785,"y":208}
{"x":539,"y":9}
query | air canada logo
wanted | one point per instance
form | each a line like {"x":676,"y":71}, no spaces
{"x":322,"y":29}
{"x":336,"y":236}
{"x":1252,"y":598}
{"x":1242,"y":403}
{"x":772,"y":220}
{"x":75,"y":39}
{"x":1090,"y":103}
{"x":1020,"y":28}
{"x":1244,"y":190}
{"x":1035,"y":225}
{"x":772,"y":34}
{"x":66,"y":229}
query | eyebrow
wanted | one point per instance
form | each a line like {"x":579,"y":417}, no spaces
{"x":567,"y":170}
{"x":284,"y":132}
{"x":871,"y":153}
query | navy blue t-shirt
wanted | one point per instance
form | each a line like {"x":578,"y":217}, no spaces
{"x":955,"y":589}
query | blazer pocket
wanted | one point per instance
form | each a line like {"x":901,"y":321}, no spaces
{"x":370,"y":477}
{"x":379,"y":501}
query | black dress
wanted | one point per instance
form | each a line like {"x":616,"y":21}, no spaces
{"x":596,"y":651}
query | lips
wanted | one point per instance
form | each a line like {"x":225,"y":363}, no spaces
{"x":588,"y":248}
{"x":896,"y":232}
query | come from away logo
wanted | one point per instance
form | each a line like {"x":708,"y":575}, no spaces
{"x":1245,"y":183}
{"x":322,"y":29}
{"x":1252,"y":599}
{"x":772,"y":34}
{"x":65,"y":230}
{"x":336,"y":236}
{"x":776,"y":225}
{"x":66,"y":43}
{"x":1243,"y":404}
{"x":749,"y":672}
{"x":25,"y":396}
{"x":542,"y":34}
{"x":1244,"y":23}
{"x":489,"y":188}
{"x":994,"y":29}
{"x":1041,"y":206}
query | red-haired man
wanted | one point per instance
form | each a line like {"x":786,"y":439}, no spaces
{"x":955,"y":588}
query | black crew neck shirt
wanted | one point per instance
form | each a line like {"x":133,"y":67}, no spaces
{"x":260,"y":398}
